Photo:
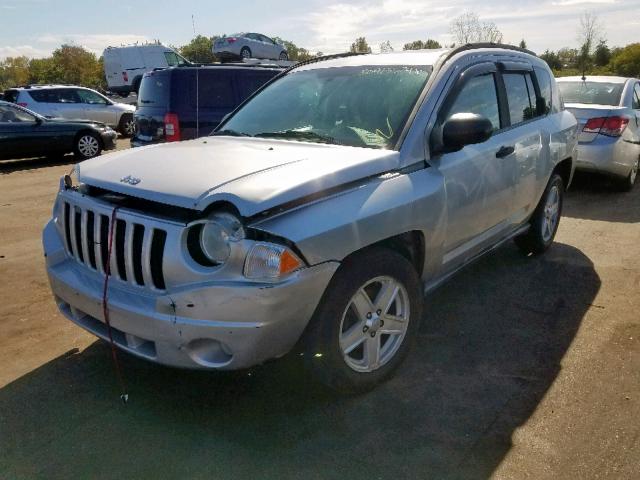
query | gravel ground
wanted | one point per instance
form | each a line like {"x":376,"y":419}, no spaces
{"x":525,"y":368}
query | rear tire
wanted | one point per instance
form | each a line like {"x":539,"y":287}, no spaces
{"x":284,"y":56}
{"x":87,"y":146}
{"x":245,"y":52}
{"x":626,"y":184}
{"x":545,"y":219}
{"x":347,"y":345}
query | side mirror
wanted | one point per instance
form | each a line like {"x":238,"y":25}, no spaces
{"x":465,"y":129}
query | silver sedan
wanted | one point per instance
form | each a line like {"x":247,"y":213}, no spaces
{"x":249,"y":45}
{"x":608,"y":113}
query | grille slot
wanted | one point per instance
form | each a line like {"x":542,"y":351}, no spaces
{"x":137,"y":251}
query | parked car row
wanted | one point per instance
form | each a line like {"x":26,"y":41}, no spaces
{"x":318,"y":212}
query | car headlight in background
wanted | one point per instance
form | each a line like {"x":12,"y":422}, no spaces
{"x":209,"y":242}
{"x":269,"y":261}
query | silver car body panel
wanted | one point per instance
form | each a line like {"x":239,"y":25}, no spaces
{"x":326,"y":201}
{"x":108,"y":113}
{"x":600,"y":153}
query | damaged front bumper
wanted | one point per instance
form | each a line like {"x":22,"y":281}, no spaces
{"x":213,"y":324}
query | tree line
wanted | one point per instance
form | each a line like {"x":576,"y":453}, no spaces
{"x":72,"y":64}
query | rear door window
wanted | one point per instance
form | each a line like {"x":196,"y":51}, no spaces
{"x":249,"y":83}
{"x":520,"y":96}
{"x":215,"y":91}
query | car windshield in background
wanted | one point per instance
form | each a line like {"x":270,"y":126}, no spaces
{"x":154,"y":91}
{"x":363,"y":106}
{"x":597,"y":93}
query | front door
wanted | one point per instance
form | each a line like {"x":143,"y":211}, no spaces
{"x":480,"y":178}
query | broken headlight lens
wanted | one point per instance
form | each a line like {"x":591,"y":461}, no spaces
{"x":209,"y":242}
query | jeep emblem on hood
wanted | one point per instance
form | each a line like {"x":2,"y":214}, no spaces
{"x":130,"y":180}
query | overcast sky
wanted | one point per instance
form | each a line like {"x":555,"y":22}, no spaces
{"x":35,"y":27}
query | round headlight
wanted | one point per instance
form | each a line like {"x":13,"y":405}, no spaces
{"x":215,"y":237}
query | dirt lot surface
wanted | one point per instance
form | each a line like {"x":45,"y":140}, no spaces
{"x":525,"y":368}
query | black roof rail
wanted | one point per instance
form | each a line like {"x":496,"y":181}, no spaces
{"x":476,"y":46}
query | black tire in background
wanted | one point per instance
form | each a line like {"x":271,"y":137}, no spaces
{"x":323,"y":353}
{"x":284,"y":56}
{"x":541,"y":233}
{"x":87,"y":145}
{"x":127,"y":126}
{"x":627,"y":183}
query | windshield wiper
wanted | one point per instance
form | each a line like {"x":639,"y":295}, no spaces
{"x":301,"y":134}
{"x":230,"y":133}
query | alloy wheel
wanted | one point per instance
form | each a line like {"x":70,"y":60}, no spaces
{"x":551,"y":213}
{"x":88,"y":146}
{"x":374,"y":324}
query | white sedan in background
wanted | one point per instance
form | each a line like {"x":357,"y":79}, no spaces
{"x":608,"y":113}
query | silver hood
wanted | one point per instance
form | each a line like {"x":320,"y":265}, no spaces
{"x":253,"y":174}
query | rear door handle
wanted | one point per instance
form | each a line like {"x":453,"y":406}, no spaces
{"x":505,"y":152}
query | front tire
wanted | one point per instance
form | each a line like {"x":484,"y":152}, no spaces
{"x":545,"y":219}
{"x":87,"y":146}
{"x":283,"y":56}
{"x":365,"y":324}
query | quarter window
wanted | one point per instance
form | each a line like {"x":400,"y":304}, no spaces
{"x":479,"y":96}
{"x":636,"y":97}
{"x":544,"y":82}
{"x":521,"y":96}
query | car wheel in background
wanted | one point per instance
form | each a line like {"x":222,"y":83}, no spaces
{"x":366,"y":321}
{"x":127,"y":126}
{"x":545,"y":220}
{"x":87,"y":146}
{"x":283,"y":56}
{"x":245,"y":52}
{"x":626,"y":184}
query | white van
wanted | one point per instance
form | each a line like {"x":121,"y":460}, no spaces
{"x":124,"y":66}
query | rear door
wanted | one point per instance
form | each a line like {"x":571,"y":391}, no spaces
{"x":526,"y":137}
{"x":68,"y":104}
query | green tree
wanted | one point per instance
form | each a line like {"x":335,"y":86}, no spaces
{"x":523,"y":44}
{"x":552,"y":59}
{"x":627,"y":61}
{"x":199,"y":49}
{"x":420,"y":45}
{"x":568,"y":57}
{"x":360,"y":46}
{"x":602,"y":54}
{"x":75,"y":65}
{"x":295,"y":53}
{"x":386,"y":47}
{"x":14,"y":71}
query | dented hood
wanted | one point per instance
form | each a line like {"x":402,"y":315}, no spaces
{"x":253,"y":174}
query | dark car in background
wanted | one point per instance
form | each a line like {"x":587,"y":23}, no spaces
{"x":25,"y":134}
{"x":183,"y":103}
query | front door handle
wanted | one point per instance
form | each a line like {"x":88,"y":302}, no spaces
{"x":505,"y":152}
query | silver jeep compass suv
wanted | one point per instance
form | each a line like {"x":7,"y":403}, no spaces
{"x":320,"y":211}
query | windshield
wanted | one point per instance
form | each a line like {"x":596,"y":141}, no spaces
{"x":363,"y":106}
{"x":597,"y":93}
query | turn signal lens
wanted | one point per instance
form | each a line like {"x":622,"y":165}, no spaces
{"x":270,"y":262}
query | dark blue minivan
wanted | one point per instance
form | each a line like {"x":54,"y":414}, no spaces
{"x":182,"y":103}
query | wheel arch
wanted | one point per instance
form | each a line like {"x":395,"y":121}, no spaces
{"x":564,"y":168}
